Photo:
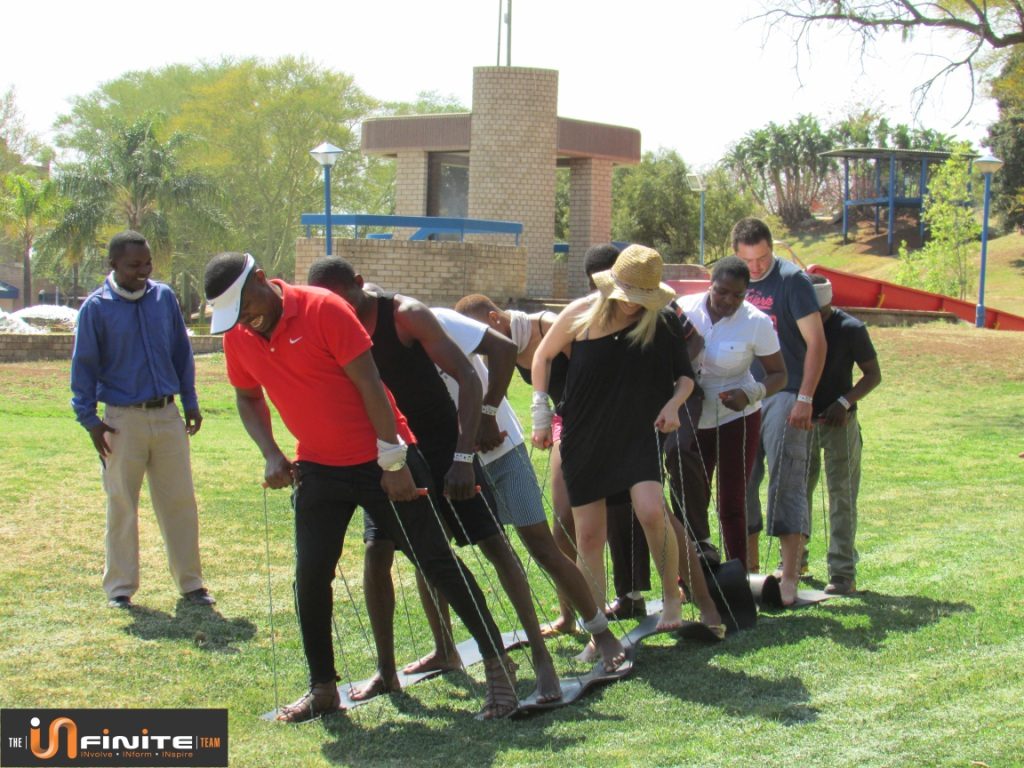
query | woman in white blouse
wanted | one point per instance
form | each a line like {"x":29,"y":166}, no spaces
{"x":735,"y":335}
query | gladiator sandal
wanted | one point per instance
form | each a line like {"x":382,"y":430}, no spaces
{"x":321,"y":699}
{"x":501,"y":699}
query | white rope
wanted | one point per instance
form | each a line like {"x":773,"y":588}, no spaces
{"x":270,"y":600}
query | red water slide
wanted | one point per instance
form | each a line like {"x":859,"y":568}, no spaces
{"x":849,"y":290}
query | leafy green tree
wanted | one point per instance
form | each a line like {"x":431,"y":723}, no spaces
{"x":867,"y":127}
{"x":782,"y":166}
{"x":27,"y":208}
{"x":1006,"y":138}
{"x":132,"y":178}
{"x":945,"y":263}
{"x":258,"y":122}
{"x":725,"y":203}
{"x":426,"y":103}
{"x":652,"y":204}
{"x":254,"y":123}
{"x":18,"y":145}
{"x":131,"y":97}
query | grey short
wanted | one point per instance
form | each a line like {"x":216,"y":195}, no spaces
{"x":786,"y":450}
{"x":517,"y":495}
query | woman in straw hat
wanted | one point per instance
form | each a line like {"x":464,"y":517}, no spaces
{"x":628,"y":376}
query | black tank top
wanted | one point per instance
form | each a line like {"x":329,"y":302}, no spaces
{"x":559,"y":370}
{"x":413,"y":379}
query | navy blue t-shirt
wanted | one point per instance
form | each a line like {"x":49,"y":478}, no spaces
{"x":785,"y":295}
{"x":848,"y":343}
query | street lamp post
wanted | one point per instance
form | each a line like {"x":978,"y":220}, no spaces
{"x":696,"y":184}
{"x":327,"y":155}
{"x":986,"y":166}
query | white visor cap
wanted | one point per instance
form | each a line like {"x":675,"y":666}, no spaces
{"x":227,"y":306}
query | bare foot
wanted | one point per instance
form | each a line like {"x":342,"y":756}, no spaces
{"x":548,"y":687}
{"x":375,"y":687}
{"x":589,"y":654}
{"x":671,"y":616}
{"x":611,"y":650}
{"x":501,"y":699}
{"x":563,"y":625}
{"x":321,"y":699}
{"x":430,"y":662}
{"x":787,"y":589}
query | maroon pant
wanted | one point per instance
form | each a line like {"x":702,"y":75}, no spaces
{"x":733,"y":448}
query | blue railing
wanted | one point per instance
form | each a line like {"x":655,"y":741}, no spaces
{"x":425,"y":225}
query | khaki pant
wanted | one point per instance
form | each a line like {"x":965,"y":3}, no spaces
{"x":152,"y":443}
{"x":842,"y":447}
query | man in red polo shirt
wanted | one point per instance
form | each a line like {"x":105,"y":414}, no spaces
{"x":307,"y":350}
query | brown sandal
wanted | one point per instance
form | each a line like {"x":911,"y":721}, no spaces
{"x":321,"y":699}
{"x":501,"y":699}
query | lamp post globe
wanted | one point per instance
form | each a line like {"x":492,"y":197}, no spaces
{"x":986,"y":166}
{"x":326,"y":154}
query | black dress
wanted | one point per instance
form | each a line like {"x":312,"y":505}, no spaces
{"x":613,"y":393}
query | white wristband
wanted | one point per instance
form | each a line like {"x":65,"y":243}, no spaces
{"x":805,"y":399}
{"x":465,"y":458}
{"x":489,"y":410}
{"x":540,"y":411}
{"x":843,"y":402}
{"x":391,"y":456}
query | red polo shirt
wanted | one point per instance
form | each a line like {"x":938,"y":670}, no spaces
{"x":301,"y":368}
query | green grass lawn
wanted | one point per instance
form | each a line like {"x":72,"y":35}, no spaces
{"x":922,"y":668}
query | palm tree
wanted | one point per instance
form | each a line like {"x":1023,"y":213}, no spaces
{"x":135,"y":180}
{"x":28,"y":208}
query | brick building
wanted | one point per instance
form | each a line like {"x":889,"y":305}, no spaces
{"x":499,"y":162}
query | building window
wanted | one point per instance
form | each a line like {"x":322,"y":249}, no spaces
{"x":448,"y":184}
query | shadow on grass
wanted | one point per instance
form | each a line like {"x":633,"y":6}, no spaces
{"x":440,"y":735}
{"x":885,"y":614}
{"x":737,"y":693}
{"x":204,"y":627}
{"x":1018,"y":264}
{"x":430,"y":734}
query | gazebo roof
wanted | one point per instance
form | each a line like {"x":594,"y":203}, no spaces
{"x":881,"y":153}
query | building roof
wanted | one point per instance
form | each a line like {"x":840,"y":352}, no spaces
{"x":870,"y":153}
{"x":8,"y":291}
{"x":450,"y":132}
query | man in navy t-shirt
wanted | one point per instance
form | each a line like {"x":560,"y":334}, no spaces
{"x":837,"y":432}
{"x":783,"y":292}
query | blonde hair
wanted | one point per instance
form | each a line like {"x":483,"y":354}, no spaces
{"x":601,"y":313}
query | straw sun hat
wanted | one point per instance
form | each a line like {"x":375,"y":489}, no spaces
{"x":636,"y":277}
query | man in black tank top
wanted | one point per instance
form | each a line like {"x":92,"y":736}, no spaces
{"x":407,"y":344}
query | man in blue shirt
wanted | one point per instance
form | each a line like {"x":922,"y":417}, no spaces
{"x":783,"y":292}
{"x":132,"y":353}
